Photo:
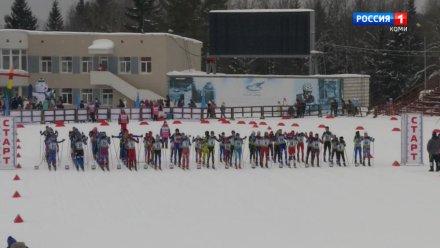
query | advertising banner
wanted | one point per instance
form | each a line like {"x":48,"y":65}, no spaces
{"x":253,"y":91}
{"x":412,"y":139}
{"x":7,"y":143}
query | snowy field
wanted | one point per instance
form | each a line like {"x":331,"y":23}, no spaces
{"x":381,"y":206}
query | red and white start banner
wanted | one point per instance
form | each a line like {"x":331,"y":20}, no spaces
{"x":412,"y":139}
{"x":7,"y":143}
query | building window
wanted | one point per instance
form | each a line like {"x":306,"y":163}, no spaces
{"x":24,"y":60}
{"x":124,"y":65}
{"x":86,"y":64}
{"x":6,"y":59}
{"x":66,"y":64}
{"x":107,"y":97}
{"x":16,"y":58}
{"x":46,"y":64}
{"x":67,"y":95}
{"x":145,"y":65}
{"x":87,"y":95}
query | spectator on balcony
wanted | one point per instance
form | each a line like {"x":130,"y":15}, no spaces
{"x":101,"y":67}
{"x":82,"y":105}
{"x":223,"y":110}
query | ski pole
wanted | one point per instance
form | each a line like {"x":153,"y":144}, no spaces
{"x":60,"y":156}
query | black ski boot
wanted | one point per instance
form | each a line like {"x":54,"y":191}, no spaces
{"x":431,"y":168}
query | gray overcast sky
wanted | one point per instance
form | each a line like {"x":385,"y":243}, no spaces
{"x":41,"y":8}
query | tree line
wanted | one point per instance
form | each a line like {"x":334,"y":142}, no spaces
{"x":395,"y":60}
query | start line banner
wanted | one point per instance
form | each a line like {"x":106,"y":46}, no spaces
{"x":412,"y":139}
{"x":7,"y":143}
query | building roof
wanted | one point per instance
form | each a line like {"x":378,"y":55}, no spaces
{"x":50,"y":33}
{"x":195,"y":73}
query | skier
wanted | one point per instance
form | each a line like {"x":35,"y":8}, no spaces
{"x":211,"y":145}
{"x":433,"y":148}
{"x":123,"y":137}
{"x":157,"y":147}
{"x":292,"y":142}
{"x":238,"y":143}
{"x":366,"y":141}
{"x":309,"y":141}
{"x":228,"y":153}
{"x":48,"y":133}
{"x":335,"y":142}
{"x":123,"y":119}
{"x":221,"y":138}
{"x":316,"y":144}
{"x":77,"y":141}
{"x":165,"y":134}
{"x":340,"y":152}
{"x":103,"y":150}
{"x":94,"y":142}
{"x":177,"y":143}
{"x":131,"y":151}
{"x":231,"y":141}
{"x":198,"y":149}
{"x":186,"y":144}
{"x":327,"y":138}
{"x":148,"y":147}
{"x":252,"y":139}
{"x":265,"y":142}
{"x":273,"y":148}
{"x":258,"y":143}
{"x":300,"y":146}
{"x":52,"y":151}
{"x":280,"y":144}
{"x":357,"y":147}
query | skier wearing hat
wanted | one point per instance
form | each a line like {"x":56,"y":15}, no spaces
{"x":357,"y":147}
{"x":165,"y":134}
{"x":366,"y":141}
{"x":327,"y":138}
{"x":340,"y":150}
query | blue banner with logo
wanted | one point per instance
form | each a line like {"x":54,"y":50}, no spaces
{"x":253,"y":91}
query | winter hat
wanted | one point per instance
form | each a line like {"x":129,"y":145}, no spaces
{"x":11,"y":241}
